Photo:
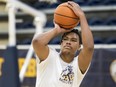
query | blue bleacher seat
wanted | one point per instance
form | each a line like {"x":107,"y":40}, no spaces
{"x":111,"y":40}
{"x":53,"y":5}
{"x":81,"y":2}
{"x":26,"y":25}
{"x":96,"y":21}
{"x":41,"y":5}
{"x":26,"y":41}
{"x":94,"y":2}
{"x":111,"y":21}
{"x":109,"y":2}
{"x":18,"y":42}
{"x":19,"y":26}
{"x":98,"y":40}
{"x":61,"y":1}
{"x":49,"y":23}
{"x":55,"y":41}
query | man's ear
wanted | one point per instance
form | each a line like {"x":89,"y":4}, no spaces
{"x":79,"y":47}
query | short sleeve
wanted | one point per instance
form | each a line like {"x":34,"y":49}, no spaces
{"x":79,"y":71}
{"x":50,"y":58}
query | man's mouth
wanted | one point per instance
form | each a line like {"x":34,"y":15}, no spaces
{"x":67,"y":47}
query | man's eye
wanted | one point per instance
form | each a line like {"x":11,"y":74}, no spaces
{"x":65,"y":39}
{"x":74,"y":40}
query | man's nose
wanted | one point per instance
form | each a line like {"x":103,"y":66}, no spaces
{"x":68,"y":42}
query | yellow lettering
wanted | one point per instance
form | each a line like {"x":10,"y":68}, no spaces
{"x":31,"y":70}
{"x":1,"y":62}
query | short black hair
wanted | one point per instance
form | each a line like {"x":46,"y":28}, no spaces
{"x":74,"y":31}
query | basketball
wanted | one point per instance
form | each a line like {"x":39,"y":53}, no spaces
{"x":65,"y":17}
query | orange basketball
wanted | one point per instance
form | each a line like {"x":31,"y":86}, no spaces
{"x":65,"y":17}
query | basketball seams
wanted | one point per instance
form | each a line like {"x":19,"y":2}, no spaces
{"x":67,"y":16}
{"x":65,"y":24}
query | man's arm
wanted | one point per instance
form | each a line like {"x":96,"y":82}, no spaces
{"x":40,"y":42}
{"x":86,"y":53}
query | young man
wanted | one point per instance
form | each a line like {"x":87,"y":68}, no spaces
{"x":64,"y":69}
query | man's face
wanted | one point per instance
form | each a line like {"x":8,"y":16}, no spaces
{"x":70,"y":43}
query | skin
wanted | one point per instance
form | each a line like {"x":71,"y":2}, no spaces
{"x":69,"y":46}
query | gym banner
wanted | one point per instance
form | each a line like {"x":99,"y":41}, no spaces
{"x":102,"y":72}
{"x":30,"y":75}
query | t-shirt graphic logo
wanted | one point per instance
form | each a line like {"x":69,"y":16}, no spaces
{"x":67,"y":75}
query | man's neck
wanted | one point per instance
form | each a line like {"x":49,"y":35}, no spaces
{"x":67,"y":57}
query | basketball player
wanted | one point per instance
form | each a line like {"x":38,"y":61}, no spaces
{"x":64,"y":69}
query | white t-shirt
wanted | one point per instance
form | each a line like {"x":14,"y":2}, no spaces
{"x":54,"y":72}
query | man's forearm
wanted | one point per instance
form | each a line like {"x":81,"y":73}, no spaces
{"x":44,"y":38}
{"x":87,"y":38}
